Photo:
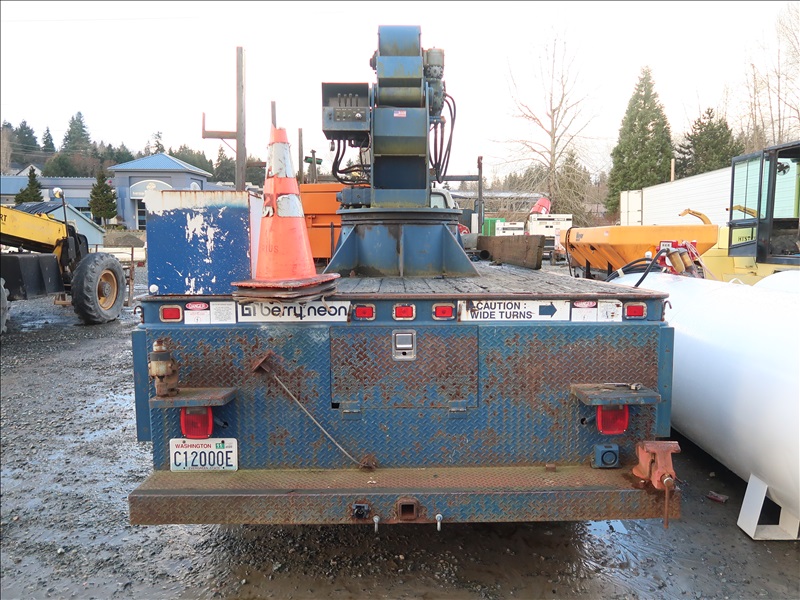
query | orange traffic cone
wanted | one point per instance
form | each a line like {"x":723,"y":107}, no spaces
{"x":285,"y":265}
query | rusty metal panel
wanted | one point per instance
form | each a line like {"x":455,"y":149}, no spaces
{"x":501,"y":394}
{"x":458,"y":494}
{"x":445,"y":371}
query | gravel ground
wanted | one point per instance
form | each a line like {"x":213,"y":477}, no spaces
{"x":70,"y":458}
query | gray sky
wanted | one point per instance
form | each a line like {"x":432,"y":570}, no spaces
{"x":134,"y":68}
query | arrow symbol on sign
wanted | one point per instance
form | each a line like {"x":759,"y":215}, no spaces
{"x":548,"y":310}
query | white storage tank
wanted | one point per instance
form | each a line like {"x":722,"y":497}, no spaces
{"x":736,"y":384}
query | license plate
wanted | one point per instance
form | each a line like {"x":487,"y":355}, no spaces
{"x":213,"y":454}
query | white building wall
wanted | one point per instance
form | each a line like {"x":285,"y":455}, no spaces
{"x":708,"y":193}
{"x":630,"y":207}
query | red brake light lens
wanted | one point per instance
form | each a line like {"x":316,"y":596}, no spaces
{"x":171,"y":313}
{"x":364,"y":311}
{"x":612,"y":419}
{"x":404,"y":311}
{"x":197,"y":422}
{"x":443,"y":311}
{"x":635,"y":310}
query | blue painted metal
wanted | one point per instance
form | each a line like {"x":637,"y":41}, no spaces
{"x":400,"y":118}
{"x":198,"y":242}
{"x":510,"y":380}
{"x":416,"y":242}
{"x":141,"y":384}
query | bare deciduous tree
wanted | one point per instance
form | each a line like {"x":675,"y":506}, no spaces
{"x":556,"y":122}
{"x":772,"y":115}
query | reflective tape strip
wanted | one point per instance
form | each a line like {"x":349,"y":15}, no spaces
{"x":289,"y":205}
{"x":279,"y":163}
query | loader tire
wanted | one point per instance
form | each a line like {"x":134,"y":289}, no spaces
{"x":3,"y":305}
{"x":98,"y":288}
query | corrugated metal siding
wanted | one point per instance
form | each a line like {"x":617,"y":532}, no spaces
{"x":708,"y":193}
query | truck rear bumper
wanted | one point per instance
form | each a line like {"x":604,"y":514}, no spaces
{"x":340,"y":496}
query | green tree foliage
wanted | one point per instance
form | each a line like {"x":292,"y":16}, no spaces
{"x":643,"y":154}
{"x":225,"y":167}
{"x":32,"y":192}
{"x":122,"y":155}
{"x":573,"y":184}
{"x":59,"y":166}
{"x":710,"y":145}
{"x":257,"y":175}
{"x":48,"y":147}
{"x":76,"y":139}
{"x":25,"y":147}
{"x":195,"y":158}
{"x":103,"y":198}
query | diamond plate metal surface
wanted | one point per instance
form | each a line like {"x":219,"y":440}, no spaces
{"x":513,"y":381}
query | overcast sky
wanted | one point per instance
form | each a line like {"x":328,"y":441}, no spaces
{"x":135,"y":68}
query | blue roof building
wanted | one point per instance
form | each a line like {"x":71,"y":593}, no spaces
{"x":76,"y":189}
{"x":155,"y":172}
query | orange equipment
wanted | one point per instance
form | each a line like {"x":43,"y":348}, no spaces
{"x":611,"y":248}
{"x":285,"y":266}
{"x":322,"y":222}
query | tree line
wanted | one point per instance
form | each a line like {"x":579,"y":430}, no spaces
{"x":551,"y":152}
{"x":80,"y":156}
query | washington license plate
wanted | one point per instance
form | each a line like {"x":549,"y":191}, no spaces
{"x":213,"y":454}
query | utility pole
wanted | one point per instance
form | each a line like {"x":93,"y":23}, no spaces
{"x":239,"y":134}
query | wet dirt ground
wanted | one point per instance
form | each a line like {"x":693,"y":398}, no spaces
{"x":70,"y":458}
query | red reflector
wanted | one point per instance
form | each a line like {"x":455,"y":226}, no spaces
{"x":612,"y":420}
{"x":171,"y":313}
{"x":635,"y":311}
{"x":443,"y":311}
{"x":365,"y":312}
{"x":404,"y":311}
{"x":197,"y":422}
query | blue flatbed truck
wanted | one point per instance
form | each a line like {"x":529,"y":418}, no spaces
{"x":421,"y":388}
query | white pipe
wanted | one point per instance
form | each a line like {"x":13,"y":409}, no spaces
{"x":736,"y":378}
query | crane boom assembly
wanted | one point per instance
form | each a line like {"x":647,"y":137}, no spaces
{"x":406,"y":383}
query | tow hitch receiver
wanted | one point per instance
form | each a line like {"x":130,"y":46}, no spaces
{"x":655,"y":467}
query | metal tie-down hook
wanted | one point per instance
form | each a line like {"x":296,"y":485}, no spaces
{"x":439,"y":518}
{"x":375,"y":520}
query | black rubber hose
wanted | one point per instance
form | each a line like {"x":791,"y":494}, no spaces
{"x":628,"y":269}
{"x":650,"y":266}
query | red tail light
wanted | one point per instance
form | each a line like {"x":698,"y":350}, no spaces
{"x":635,"y":310}
{"x":443,"y":311}
{"x":197,"y":422}
{"x":612,"y":419}
{"x":404,"y":312}
{"x":171,"y":313}
{"x":364,"y":312}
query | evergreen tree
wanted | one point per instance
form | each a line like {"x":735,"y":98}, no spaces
{"x":710,"y":145}
{"x":60,"y":165}
{"x":225,"y":167}
{"x":33,"y":191}
{"x":47,"y":142}
{"x":643,"y":154}
{"x":193,"y":157}
{"x":77,"y":139}
{"x":25,"y":146}
{"x":257,"y":175}
{"x":103,"y":198}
